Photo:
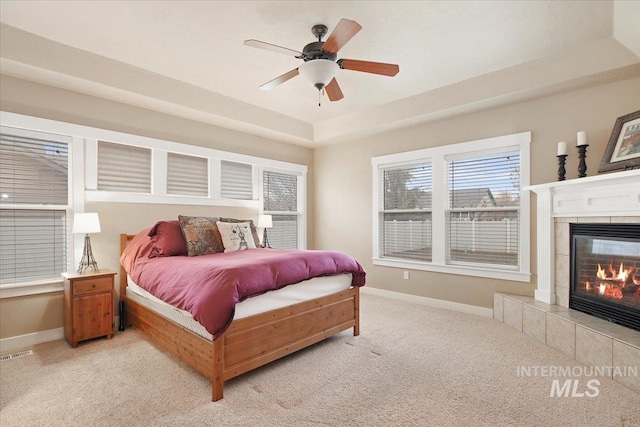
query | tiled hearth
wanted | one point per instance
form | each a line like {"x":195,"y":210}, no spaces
{"x":587,"y":339}
{"x":545,"y":317}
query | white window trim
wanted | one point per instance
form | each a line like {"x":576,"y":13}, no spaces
{"x":83,"y":158}
{"x":75,"y":204}
{"x":438,"y":157}
{"x":160,"y":148}
{"x":302,"y":201}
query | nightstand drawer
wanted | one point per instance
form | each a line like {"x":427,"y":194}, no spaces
{"x":92,"y":285}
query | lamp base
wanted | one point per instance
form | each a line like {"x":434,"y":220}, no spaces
{"x":265,"y":239}
{"x":87,"y":258}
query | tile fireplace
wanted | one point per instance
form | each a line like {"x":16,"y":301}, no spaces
{"x":605,"y":271}
{"x":607,"y":199}
{"x":596,"y":218}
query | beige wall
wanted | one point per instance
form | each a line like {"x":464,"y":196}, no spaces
{"x":343,"y":180}
{"x":24,"y":315}
{"x":339,"y":181}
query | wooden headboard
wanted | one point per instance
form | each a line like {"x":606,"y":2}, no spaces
{"x":124,"y":241}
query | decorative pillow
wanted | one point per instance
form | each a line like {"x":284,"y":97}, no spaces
{"x":201,"y":235}
{"x":139,"y":247}
{"x":254,"y":230}
{"x":167,"y":239}
{"x":236,"y":236}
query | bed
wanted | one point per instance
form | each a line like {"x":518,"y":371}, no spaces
{"x":248,"y":342}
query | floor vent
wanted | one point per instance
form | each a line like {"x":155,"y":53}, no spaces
{"x":16,"y":355}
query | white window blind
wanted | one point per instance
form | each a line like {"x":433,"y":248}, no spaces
{"x":236,"y":181}
{"x":484,"y":210}
{"x":281,"y":202}
{"x":124,"y":168}
{"x":187,"y":175}
{"x":405,"y":223}
{"x":34,"y":200}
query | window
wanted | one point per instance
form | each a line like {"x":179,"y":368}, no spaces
{"x":124,"y":168}
{"x":456,"y":208}
{"x":236,"y":180}
{"x":137,"y":169}
{"x":187,"y":175}
{"x":281,"y":202}
{"x":36,"y":171}
{"x":483,"y":210}
{"x":405,"y":212}
{"x":34,"y":206}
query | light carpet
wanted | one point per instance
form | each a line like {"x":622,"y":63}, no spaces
{"x":411,"y":366}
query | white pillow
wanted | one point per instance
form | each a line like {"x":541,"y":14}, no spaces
{"x":236,"y":236}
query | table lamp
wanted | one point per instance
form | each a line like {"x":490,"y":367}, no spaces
{"x":265,"y":221}
{"x":85,"y":223}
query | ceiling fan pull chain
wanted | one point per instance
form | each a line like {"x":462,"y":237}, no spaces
{"x":319,"y":98}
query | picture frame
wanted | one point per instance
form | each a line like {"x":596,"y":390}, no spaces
{"x":623,"y":149}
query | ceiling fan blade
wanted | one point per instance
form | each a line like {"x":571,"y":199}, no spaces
{"x":272,"y":47}
{"x":333,"y":90}
{"x":369,"y":67}
{"x":279,"y":80}
{"x":341,"y":34}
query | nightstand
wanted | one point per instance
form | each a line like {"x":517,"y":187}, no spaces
{"x":88,"y":305}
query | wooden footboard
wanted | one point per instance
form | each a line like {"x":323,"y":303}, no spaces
{"x":250,"y":342}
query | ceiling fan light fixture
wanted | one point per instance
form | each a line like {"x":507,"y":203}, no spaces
{"x":319,"y":72}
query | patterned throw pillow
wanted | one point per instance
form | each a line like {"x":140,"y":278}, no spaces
{"x":201,"y":235}
{"x":236,"y":236}
{"x":254,"y":230}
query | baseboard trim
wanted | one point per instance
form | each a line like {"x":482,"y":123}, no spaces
{"x":431,"y":302}
{"x":21,"y":341}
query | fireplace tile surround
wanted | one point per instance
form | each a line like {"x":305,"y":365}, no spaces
{"x":610,"y":198}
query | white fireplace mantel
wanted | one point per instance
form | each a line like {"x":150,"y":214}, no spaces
{"x":609,"y":195}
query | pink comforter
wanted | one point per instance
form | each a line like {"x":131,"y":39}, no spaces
{"x":209,"y":286}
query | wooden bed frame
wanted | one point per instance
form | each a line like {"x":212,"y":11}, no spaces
{"x":250,"y":342}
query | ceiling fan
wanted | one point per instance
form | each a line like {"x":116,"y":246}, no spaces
{"x":320,"y":66}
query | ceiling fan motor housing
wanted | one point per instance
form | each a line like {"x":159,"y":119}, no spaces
{"x":314,"y":51}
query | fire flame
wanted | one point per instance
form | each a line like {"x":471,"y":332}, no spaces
{"x":622,"y":275}
{"x":611,"y":284}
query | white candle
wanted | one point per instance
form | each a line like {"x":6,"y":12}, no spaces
{"x":562,"y":148}
{"x":582,"y":138}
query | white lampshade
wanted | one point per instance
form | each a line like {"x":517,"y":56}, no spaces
{"x":319,"y":71}
{"x":85,"y":223}
{"x":265,"y":221}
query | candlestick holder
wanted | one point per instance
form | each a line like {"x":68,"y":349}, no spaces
{"x":561,"y":170}
{"x":582,"y":155}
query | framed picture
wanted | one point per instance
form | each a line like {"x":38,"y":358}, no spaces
{"x":623,"y":150}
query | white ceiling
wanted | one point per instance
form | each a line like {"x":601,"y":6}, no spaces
{"x":187,"y":57}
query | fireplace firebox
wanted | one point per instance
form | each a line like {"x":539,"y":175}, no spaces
{"x":605,"y":272}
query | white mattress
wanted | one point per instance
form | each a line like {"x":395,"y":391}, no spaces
{"x":289,"y":295}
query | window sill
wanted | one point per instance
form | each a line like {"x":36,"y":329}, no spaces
{"x":114,"y":196}
{"x":30,"y":288}
{"x":516,"y":276}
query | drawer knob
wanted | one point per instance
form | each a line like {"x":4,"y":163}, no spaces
{"x":93,"y":286}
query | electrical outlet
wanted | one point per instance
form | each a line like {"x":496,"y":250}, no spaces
{"x":406,"y":275}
